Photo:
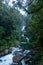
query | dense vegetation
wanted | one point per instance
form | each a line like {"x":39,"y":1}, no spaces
{"x":10,"y":19}
{"x":34,"y":31}
{"x":10,"y":25}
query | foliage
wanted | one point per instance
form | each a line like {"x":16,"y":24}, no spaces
{"x":34,"y":30}
{"x":9,"y":26}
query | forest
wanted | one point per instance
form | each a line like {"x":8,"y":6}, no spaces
{"x":12,"y":22}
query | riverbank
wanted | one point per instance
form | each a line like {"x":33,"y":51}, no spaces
{"x":5,"y":52}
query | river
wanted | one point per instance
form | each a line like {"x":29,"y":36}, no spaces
{"x":7,"y":59}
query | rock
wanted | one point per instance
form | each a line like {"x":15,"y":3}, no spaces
{"x":6,"y":51}
{"x":0,"y":60}
{"x":17,"y":58}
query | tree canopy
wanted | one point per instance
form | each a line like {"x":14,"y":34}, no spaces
{"x":34,"y":30}
{"x":10,"y":25}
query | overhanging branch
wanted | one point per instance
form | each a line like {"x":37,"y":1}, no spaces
{"x":31,"y":12}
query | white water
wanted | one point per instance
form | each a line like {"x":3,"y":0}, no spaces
{"x":7,"y":60}
{"x":23,"y":62}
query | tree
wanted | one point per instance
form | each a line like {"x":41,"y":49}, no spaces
{"x":9,"y":25}
{"x":34,"y":30}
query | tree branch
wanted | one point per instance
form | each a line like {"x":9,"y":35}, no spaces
{"x":24,"y":7}
{"x":35,"y":11}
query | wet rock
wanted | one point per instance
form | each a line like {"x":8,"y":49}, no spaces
{"x":6,"y":51}
{"x":0,"y":60}
{"x":17,"y":58}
